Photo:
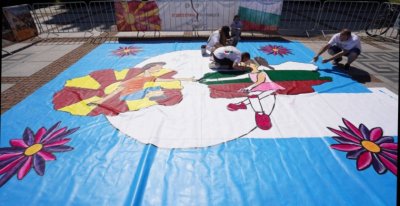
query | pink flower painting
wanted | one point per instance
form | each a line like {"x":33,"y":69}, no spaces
{"x":32,"y":151}
{"x":367,"y":146}
{"x":275,"y":50}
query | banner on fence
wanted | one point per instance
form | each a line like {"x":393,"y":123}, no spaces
{"x":21,"y":22}
{"x":189,"y":16}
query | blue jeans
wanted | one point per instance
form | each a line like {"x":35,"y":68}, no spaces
{"x":336,"y":49}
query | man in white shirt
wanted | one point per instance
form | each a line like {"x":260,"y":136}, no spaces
{"x":230,"y":57}
{"x":218,"y":38}
{"x":342,"y":44}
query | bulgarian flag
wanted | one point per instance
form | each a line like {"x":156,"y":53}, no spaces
{"x":294,"y":82}
{"x":260,"y":15}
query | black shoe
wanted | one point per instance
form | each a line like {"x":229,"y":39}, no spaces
{"x":347,"y":67}
{"x":336,"y":61}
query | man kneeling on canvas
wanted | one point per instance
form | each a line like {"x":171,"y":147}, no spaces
{"x":228,"y":58}
{"x":342,"y":44}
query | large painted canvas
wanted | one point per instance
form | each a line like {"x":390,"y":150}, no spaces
{"x":148,"y":123}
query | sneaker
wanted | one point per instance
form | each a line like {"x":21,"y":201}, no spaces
{"x":347,"y":67}
{"x":263,"y":121}
{"x":336,"y":61}
{"x":234,"y":107}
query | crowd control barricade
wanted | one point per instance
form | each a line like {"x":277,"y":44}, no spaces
{"x":62,"y":17}
{"x":354,"y":15}
{"x":103,"y":15}
{"x":386,"y":22}
{"x":299,"y":16}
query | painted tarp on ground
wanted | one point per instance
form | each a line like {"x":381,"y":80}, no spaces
{"x":196,"y":15}
{"x":150,"y":124}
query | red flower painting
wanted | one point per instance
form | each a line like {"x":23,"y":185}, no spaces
{"x":33,"y":150}
{"x":368,"y":147}
{"x":126,"y":51}
{"x":275,"y":50}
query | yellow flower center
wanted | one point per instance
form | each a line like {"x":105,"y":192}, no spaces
{"x":33,"y":149}
{"x":127,"y":50}
{"x":370,"y":146}
{"x":275,"y":49}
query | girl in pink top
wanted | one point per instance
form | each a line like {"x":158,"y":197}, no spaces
{"x":261,"y":88}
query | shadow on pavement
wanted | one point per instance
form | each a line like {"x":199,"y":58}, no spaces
{"x":354,"y":73}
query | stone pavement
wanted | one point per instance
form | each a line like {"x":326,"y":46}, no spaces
{"x":36,"y":62}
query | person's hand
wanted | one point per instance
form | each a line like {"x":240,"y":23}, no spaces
{"x":325,"y":61}
{"x":315,"y":59}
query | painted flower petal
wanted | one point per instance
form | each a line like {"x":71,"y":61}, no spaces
{"x":12,"y":165}
{"x":39,"y":134}
{"x":343,"y":140}
{"x":59,"y":148}
{"x":355,"y":154}
{"x":54,"y":134}
{"x":25,"y":168}
{"x":8,"y":156}
{"x":345,"y":147}
{"x":3,"y":163}
{"x":7,"y":150}
{"x":343,"y":134}
{"x":353,"y":128}
{"x":61,"y":136}
{"x":378,"y":165}
{"x":18,"y":143}
{"x":46,"y":155}
{"x":7,"y":176}
{"x":364,"y":131}
{"x":389,"y":146}
{"x":60,"y":142}
{"x":390,"y":156}
{"x":28,"y":136}
{"x":388,"y":164}
{"x":375,"y":134}
{"x":385,"y":139}
{"x":349,"y":132}
{"x":49,"y":131}
{"x":39,"y":164}
{"x":364,"y":160}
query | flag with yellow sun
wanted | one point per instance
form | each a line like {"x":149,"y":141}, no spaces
{"x":137,"y":16}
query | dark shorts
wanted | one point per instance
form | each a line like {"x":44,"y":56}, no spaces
{"x":337,"y":49}
{"x":223,"y":62}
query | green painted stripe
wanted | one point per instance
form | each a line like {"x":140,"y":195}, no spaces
{"x":258,"y":17}
{"x":276,"y":76}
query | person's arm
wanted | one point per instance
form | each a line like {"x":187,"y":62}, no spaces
{"x":239,"y":66}
{"x":321,"y":51}
{"x":338,"y":55}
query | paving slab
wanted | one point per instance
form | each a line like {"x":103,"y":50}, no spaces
{"x":4,"y":87}
{"x":25,"y":69}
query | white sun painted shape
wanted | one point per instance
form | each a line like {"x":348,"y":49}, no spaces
{"x":201,"y":121}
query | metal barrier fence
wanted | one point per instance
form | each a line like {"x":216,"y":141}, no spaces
{"x":103,"y":15}
{"x":354,"y":15}
{"x":297,"y":15}
{"x":386,"y":22}
{"x":62,"y":17}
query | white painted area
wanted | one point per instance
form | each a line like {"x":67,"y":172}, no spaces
{"x":200,"y":121}
{"x":295,"y":66}
{"x":308,"y":115}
